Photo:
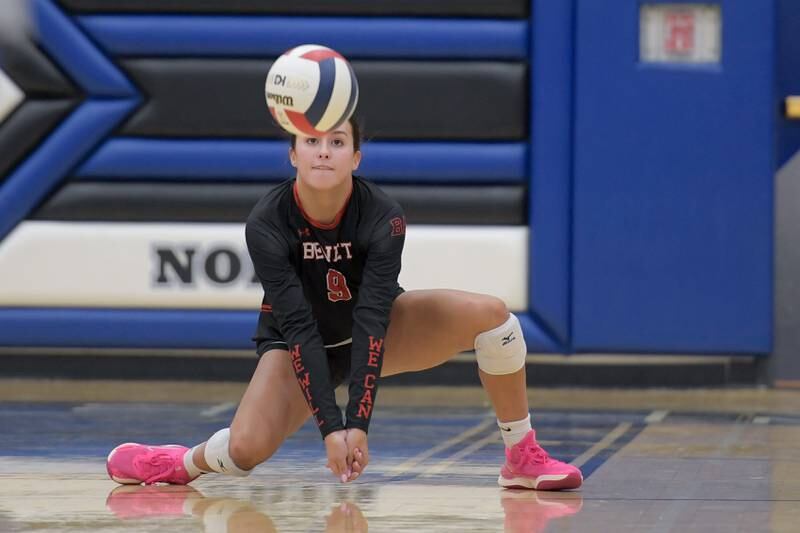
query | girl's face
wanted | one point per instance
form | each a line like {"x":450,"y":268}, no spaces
{"x":328,"y":161}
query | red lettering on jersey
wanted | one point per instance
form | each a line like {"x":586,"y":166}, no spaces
{"x":367,"y":398}
{"x":304,"y":380}
{"x":373,"y":359}
{"x":297,"y":363}
{"x":364,"y":410}
{"x":375,"y":345}
{"x":398,"y":226}
{"x":365,"y":403}
{"x":338,"y":291}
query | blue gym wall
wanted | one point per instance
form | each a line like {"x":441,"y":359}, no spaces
{"x":649,"y":190}
{"x":788,"y":76}
{"x":673,"y":188}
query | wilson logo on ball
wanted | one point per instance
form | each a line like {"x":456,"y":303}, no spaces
{"x":311,"y":89}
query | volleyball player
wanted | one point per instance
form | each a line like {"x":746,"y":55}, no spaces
{"x":326,"y":247}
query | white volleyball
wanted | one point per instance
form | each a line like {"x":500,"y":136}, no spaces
{"x":311,"y":89}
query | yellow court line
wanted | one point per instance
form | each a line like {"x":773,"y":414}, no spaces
{"x":602,"y":444}
{"x":410,"y":463}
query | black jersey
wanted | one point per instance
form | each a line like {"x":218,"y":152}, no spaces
{"x":327,"y":284}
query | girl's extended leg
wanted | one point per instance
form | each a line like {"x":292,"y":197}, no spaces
{"x":428,"y":327}
{"x":271,"y":409}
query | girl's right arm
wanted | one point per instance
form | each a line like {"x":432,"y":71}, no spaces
{"x":270,"y":253}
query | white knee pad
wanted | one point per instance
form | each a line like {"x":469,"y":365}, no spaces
{"x":501,"y":350}
{"x":218,"y":457}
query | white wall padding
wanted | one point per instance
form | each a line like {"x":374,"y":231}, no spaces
{"x":155,"y":265}
{"x":10,"y":96}
{"x":486,"y":259}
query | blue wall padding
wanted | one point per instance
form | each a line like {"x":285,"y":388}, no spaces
{"x":221,"y":159}
{"x":63,"y":149}
{"x":259,"y":36}
{"x":551,"y":165}
{"x":139,"y":328}
{"x":673,"y":189}
{"x":788,"y":75}
{"x":536,"y":338}
{"x":74,"y":52}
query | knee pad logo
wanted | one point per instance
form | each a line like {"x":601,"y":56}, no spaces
{"x":508,"y":339}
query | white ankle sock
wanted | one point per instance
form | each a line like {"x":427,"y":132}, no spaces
{"x":513,"y":432}
{"x":188,"y":463}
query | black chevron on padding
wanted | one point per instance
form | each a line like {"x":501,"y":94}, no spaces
{"x":204,"y":97}
{"x":22,"y":131}
{"x":49,"y":97}
{"x":232,"y":202}
{"x":439,"y":8}
{"x":32,"y":71}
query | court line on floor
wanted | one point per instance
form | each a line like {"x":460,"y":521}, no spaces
{"x":656,"y":416}
{"x":449,"y":461}
{"x":218,"y":409}
{"x":410,"y":463}
{"x":602,"y":444}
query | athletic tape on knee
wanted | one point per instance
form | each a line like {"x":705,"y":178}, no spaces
{"x":501,"y":350}
{"x":218,"y":457}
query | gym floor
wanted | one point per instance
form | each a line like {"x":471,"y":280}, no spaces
{"x":654,"y":460}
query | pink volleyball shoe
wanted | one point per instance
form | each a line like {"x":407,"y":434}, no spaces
{"x":131,"y":464}
{"x":528,"y":466}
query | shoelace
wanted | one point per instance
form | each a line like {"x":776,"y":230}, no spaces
{"x":535,"y":453}
{"x":157,"y":461}
{"x":539,"y":453}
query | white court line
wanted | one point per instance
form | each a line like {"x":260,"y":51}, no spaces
{"x":446,"y":463}
{"x":410,"y":463}
{"x":217,"y":409}
{"x":602,"y":444}
{"x":656,"y":416}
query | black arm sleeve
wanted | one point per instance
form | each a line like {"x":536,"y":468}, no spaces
{"x":270,"y":254}
{"x":371,"y":315}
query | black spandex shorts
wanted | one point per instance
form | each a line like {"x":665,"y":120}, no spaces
{"x":338,"y":358}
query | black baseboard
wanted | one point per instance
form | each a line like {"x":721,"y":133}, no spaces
{"x":460,"y":372}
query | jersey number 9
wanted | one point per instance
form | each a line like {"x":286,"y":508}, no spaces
{"x":337,"y":286}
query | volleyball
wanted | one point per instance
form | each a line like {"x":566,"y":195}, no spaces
{"x":311,"y":89}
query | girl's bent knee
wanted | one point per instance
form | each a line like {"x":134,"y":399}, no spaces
{"x":245,"y":451}
{"x":492,"y":312}
{"x":496,"y":310}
